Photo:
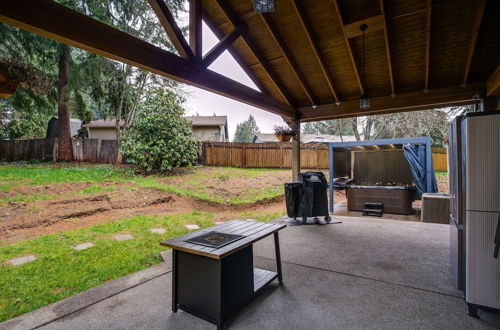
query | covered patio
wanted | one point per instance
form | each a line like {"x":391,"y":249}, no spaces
{"x":363,"y":273}
{"x":307,"y":61}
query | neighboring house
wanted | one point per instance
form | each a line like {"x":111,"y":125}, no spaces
{"x":304,"y":138}
{"x":103,"y":129}
{"x":209,"y":128}
{"x":264,"y":138}
{"x":53,"y":127}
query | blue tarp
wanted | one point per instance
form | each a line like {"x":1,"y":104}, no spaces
{"x":415,"y":154}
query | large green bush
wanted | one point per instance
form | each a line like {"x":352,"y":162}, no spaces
{"x":160,"y":139}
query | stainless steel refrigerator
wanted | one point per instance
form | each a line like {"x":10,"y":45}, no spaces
{"x":474,"y":151}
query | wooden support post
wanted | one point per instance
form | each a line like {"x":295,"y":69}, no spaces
{"x":295,"y":149}
{"x":195,"y":26}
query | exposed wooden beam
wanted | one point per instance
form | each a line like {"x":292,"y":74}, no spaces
{"x":376,"y":23}
{"x":195,"y":28}
{"x":223,"y":44}
{"x":435,"y":98}
{"x":493,"y":83}
{"x":387,"y":47}
{"x":312,"y":43}
{"x":234,"y":21}
{"x":348,"y":45}
{"x":428,"y":44}
{"x":237,"y":57}
{"x":473,"y":38}
{"x":286,"y":53}
{"x":407,"y":14}
{"x":271,"y":60}
{"x":171,"y":28}
{"x":51,"y":20}
{"x":248,"y":15}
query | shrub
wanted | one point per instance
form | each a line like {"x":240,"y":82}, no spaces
{"x":160,"y":139}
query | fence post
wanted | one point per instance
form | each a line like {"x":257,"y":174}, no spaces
{"x":244,"y":157}
{"x":98,"y":150}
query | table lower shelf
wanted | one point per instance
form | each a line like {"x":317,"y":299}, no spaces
{"x":262,"y":277}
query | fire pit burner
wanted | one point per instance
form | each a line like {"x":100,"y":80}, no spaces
{"x":214,"y":239}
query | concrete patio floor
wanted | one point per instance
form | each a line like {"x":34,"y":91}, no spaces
{"x":366,"y":273}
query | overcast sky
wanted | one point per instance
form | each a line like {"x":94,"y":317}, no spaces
{"x":208,"y":103}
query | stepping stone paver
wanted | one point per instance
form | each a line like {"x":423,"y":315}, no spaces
{"x":219,"y":222}
{"x":82,"y":246}
{"x":122,"y":237}
{"x":18,"y":261}
{"x":158,"y":230}
{"x":192,"y":227}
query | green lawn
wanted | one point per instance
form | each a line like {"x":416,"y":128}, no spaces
{"x":12,"y":176}
{"x":61,"y":271}
{"x":198,"y":182}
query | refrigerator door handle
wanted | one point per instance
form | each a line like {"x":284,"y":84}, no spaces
{"x":497,"y":239}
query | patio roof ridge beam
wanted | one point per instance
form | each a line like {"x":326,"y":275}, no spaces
{"x":348,"y":45}
{"x":195,"y":28}
{"x":473,"y":39}
{"x":235,"y":21}
{"x":57,"y":22}
{"x":286,"y":53}
{"x":299,"y":11}
{"x":171,"y":28}
{"x":223,"y":44}
{"x":411,"y":101}
{"x":387,"y":47}
{"x":427,"y":44}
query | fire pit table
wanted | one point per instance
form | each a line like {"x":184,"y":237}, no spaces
{"x":212,"y":269}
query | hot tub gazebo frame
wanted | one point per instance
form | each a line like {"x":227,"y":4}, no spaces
{"x":427,"y":141}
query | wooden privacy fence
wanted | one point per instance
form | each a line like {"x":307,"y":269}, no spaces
{"x":84,"y":150}
{"x":279,"y":155}
{"x":263,"y":155}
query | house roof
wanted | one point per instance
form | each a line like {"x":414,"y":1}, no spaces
{"x":265,"y":137}
{"x":318,"y":138}
{"x":306,"y":138}
{"x":207,"y":120}
{"x":104,"y":123}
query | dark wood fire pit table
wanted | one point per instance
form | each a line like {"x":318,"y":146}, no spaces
{"x":216,"y":283}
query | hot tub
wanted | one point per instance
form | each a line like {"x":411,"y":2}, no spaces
{"x":396,"y":199}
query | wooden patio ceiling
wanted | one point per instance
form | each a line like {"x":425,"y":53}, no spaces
{"x":306,"y":57}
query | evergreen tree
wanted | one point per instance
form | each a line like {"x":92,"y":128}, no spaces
{"x":246,"y":130}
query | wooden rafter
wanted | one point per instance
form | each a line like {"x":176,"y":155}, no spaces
{"x":195,"y":28}
{"x":428,"y":44}
{"x":387,"y":47}
{"x":351,"y":56}
{"x":436,"y":98}
{"x":234,"y":21}
{"x":223,"y":44}
{"x":473,"y":38}
{"x":286,"y":53}
{"x":51,"y":20}
{"x":299,"y":10}
{"x":171,"y":28}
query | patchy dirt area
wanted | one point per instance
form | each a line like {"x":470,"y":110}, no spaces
{"x":29,"y":211}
